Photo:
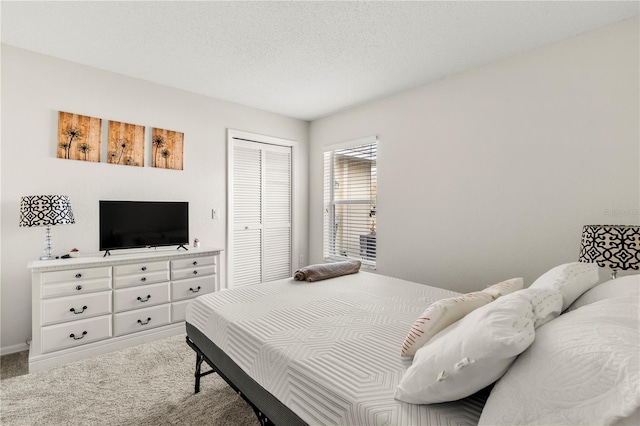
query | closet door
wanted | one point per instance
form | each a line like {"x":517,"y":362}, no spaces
{"x":260,"y":212}
{"x":247,"y":215}
{"x":276,"y":255}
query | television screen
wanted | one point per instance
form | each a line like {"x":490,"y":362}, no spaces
{"x":132,"y":224}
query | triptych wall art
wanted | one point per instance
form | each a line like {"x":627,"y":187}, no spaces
{"x":80,"y":138}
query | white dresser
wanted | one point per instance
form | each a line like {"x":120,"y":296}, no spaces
{"x":90,"y":305}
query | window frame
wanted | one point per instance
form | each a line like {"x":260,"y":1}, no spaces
{"x":329,"y":251}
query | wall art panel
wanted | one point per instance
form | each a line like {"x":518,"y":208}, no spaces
{"x":167,"y":149}
{"x":78,"y":137}
{"x":125,"y":144}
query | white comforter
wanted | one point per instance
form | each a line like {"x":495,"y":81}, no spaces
{"x":329,"y":350}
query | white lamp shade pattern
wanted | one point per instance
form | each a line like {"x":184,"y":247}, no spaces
{"x":611,"y":246}
{"x":46,"y":210}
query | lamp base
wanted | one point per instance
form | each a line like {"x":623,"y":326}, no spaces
{"x":47,"y":245}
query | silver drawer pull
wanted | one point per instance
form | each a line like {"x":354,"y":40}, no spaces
{"x":78,"y":287}
{"x":78,"y":275}
{"x":73,"y":336}
{"x":144,"y":323}
{"x":148,"y":297}
{"x":195,"y":263}
{"x":194,"y":291}
{"x":144,"y":268}
{"x":84,"y":308}
{"x":195,"y":272}
{"x":143,"y":279}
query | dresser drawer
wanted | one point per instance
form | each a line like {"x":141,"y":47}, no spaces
{"x":75,"y":275}
{"x":78,"y":287}
{"x":186,"y":289}
{"x":140,"y":268}
{"x":141,"y":319}
{"x":73,"y":308}
{"x":140,"y":297}
{"x":193,"y":272}
{"x":141,"y":279}
{"x":193,"y":262}
{"x":179,"y":311}
{"x":75,"y":333}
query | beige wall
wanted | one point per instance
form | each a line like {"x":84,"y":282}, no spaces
{"x":491,"y":174}
{"x":35,"y":87}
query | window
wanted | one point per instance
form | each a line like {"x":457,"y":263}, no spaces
{"x":350,"y":180}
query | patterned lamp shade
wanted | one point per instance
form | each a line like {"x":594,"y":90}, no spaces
{"x":611,"y":246}
{"x":45,"y":210}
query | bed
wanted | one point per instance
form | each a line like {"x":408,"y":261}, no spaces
{"x":327,"y":352}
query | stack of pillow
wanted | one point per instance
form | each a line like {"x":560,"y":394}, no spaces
{"x":583,"y":368}
{"x":463,"y":344}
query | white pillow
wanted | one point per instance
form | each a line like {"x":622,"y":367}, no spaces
{"x":438,"y":316}
{"x":546,"y":304}
{"x":624,"y":286}
{"x":505,"y":287}
{"x":470,"y":354}
{"x":583,"y":368}
{"x":571,"y":279}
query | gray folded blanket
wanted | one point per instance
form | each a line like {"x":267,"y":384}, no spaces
{"x":327,"y":270}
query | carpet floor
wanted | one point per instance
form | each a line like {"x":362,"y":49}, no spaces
{"x":149,"y":384}
{"x":15,"y":364}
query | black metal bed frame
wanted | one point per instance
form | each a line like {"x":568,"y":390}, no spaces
{"x":268,"y":409}
{"x":200,"y":357}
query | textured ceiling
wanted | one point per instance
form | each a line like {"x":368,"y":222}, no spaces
{"x":301,"y":59}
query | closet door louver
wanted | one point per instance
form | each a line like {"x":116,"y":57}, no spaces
{"x":277,"y":214}
{"x":261,"y":213}
{"x":247,"y":216}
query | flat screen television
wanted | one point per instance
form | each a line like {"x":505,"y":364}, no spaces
{"x":135,"y":224}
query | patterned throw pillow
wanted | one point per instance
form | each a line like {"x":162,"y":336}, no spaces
{"x":441,"y":314}
{"x":546,"y":304}
{"x":438,"y":316}
{"x":570,"y":279}
{"x":505,"y":287}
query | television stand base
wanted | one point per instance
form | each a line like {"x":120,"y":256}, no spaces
{"x":107,"y":253}
{"x":182,"y":245}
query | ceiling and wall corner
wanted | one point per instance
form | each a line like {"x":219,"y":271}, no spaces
{"x":302,"y":59}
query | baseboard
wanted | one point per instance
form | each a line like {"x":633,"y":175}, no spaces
{"x":6,"y":350}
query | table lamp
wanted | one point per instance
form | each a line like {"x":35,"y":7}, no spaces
{"x":46,"y":210}
{"x":611,"y":246}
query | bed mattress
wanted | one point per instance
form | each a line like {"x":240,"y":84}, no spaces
{"x":329,"y":350}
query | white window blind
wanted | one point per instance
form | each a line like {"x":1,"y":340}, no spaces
{"x":350,"y":181}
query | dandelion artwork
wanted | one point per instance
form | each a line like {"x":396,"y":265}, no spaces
{"x":167,"y":149}
{"x":78,"y":137}
{"x":125,"y":144}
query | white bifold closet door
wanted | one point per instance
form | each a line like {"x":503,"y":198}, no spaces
{"x":261,"y":213}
